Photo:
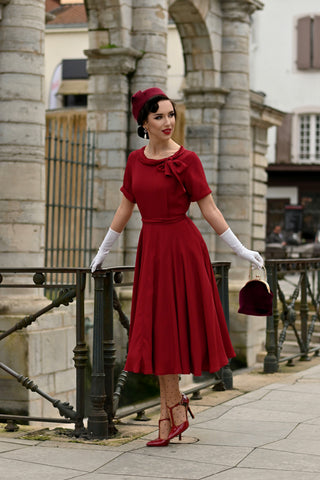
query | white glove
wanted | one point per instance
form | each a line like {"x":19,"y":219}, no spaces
{"x":104,"y":249}
{"x":254,"y":257}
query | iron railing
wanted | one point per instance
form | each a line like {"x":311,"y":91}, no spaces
{"x":296,"y":310}
{"x":104,"y":395}
{"x":70,"y":162}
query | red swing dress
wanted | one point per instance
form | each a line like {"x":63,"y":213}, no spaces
{"x":177,"y":321}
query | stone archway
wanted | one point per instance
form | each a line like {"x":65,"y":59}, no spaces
{"x":198,"y":26}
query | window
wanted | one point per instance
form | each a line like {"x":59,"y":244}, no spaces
{"x":308,"y":48}
{"x":309,"y":138}
{"x":74,"y":85}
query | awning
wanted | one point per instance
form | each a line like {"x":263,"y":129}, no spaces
{"x":73,"y":87}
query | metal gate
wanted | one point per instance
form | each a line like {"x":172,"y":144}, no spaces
{"x":69,"y":190}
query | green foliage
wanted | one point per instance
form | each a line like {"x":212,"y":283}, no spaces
{"x":108,"y":45}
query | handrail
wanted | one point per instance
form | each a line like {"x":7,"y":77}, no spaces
{"x":104,"y":395}
{"x":288,"y":309}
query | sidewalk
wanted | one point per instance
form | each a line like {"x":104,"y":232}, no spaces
{"x":271,"y":432}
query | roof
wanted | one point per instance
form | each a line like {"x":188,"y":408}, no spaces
{"x":71,"y":14}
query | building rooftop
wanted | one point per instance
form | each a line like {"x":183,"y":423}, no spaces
{"x":66,"y":13}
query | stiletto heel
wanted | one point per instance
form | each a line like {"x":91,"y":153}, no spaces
{"x":177,"y":430}
{"x":159,"y":442}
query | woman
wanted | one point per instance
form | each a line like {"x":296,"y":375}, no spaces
{"x":177,"y":322}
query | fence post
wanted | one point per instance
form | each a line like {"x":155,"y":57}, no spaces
{"x":271,"y":359}
{"x":304,"y":315}
{"x":98,"y":419}
{"x":109,"y":354}
{"x":222,"y":272}
{"x":80,"y":352}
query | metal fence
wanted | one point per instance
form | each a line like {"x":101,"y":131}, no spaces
{"x":69,"y":189}
{"x":293,"y":329}
{"x":104,"y":390}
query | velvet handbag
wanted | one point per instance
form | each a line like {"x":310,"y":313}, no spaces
{"x":255,"y":298}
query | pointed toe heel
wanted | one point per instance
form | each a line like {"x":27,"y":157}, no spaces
{"x":159,"y":442}
{"x":177,"y":430}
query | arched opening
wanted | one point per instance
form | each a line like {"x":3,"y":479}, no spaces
{"x":196,"y":44}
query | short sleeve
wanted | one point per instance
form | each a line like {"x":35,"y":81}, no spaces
{"x":126,"y":188}
{"x":195,"y":180}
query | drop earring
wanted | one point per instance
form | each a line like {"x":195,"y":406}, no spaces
{"x":145,"y":134}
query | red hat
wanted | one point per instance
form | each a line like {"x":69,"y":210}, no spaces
{"x":140,"y":98}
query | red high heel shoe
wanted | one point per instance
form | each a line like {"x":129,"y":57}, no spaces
{"x":159,"y":442}
{"x":178,"y":429}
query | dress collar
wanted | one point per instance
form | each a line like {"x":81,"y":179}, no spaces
{"x":151,"y":161}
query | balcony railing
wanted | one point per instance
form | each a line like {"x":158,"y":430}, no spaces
{"x":69,"y":285}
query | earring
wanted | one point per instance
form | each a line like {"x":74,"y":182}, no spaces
{"x":145,"y":134}
{"x":140,"y":131}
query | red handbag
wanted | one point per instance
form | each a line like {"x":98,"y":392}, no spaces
{"x":255,"y":298}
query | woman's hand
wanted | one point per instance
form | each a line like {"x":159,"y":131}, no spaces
{"x":118,"y":223}
{"x":254,"y":257}
{"x":104,"y":249}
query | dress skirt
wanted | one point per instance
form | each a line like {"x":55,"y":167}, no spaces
{"x":177,"y":321}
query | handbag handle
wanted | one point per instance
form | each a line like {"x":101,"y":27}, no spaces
{"x":258,"y":277}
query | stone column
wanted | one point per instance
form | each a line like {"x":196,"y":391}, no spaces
{"x":22,"y":207}
{"x":22,"y":140}
{"x":149,"y":37}
{"x":108,"y":110}
{"x":202,"y":136}
{"x":235,"y":184}
{"x":235,"y":172}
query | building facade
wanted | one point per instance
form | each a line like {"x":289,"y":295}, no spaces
{"x":285,"y":66}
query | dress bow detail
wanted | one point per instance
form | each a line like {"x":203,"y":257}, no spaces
{"x":173,"y":167}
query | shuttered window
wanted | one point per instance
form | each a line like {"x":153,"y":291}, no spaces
{"x":283,"y":146}
{"x":308,"y":48}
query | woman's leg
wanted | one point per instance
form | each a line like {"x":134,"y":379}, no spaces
{"x":173,"y":397}
{"x":164,"y":421}
{"x":164,"y":426}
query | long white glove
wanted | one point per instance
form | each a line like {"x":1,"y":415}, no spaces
{"x":104,"y":249}
{"x":254,"y":257}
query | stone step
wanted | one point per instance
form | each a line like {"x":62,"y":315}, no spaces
{"x":290,"y":336}
{"x":289,"y":348}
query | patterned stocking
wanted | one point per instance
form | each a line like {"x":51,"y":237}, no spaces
{"x":164,"y":427}
{"x":172,"y":397}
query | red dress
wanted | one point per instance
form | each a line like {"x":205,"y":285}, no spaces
{"x":177,"y":321}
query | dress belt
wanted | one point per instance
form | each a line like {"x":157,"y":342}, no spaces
{"x":176,"y":219}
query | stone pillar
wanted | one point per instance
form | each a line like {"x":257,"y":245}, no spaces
{"x":235,"y":173}
{"x":262,"y":118}
{"x":31,"y":351}
{"x":22,"y":140}
{"x":235,"y":183}
{"x":202,"y":136}
{"x":149,"y":36}
{"x":108,"y":110}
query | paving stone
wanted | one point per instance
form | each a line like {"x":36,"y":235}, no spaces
{"x":296,"y":462}
{"x":250,"y":413}
{"x":15,"y":470}
{"x":255,"y":474}
{"x":57,"y":457}
{"x":243,"y":426}
{"x":216,"y":437}
{"x":296,"y":445}
{"x":156,"y":467}
{"x":219,"y":455}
